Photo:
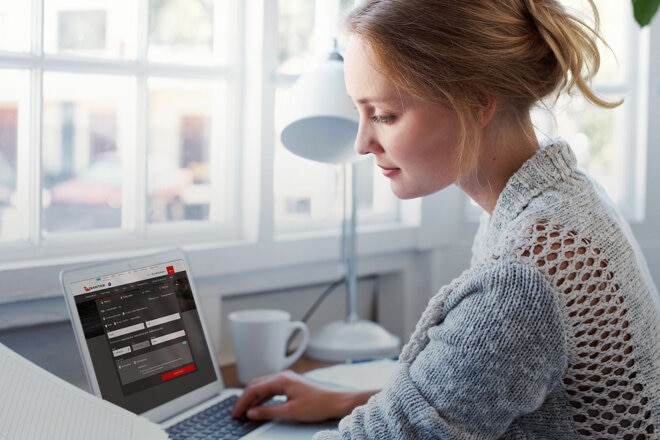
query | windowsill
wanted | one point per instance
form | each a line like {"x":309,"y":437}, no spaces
{"x":32,"y":284}
{"x":236,"y":267}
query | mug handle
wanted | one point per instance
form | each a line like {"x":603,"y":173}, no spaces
{"x":290,"y":359}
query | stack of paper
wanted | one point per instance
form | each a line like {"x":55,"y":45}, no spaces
{"x":370,"y":375}
{"x":35,"y":404}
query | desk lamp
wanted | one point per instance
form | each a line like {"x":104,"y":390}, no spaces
{"x":321,"y":126}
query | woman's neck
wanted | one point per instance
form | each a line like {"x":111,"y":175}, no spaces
{"x":505,"y":147}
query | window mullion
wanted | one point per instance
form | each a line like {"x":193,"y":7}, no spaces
{"x":637,"y":74}
{"x":269,"y":65}
{"x":34,"y":158}
{"x":647,"y":230}
{"x":260,"y":36}
{"x":35,"y":140}
{"x":135,"y":185}
{"x":226,"y":118}
{"x":134,"y":188}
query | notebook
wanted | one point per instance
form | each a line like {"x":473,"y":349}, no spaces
{"x":145,"y":346}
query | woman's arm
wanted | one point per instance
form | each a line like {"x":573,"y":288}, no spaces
{"x":493,"y":350}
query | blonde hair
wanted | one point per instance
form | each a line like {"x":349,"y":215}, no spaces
{"x":460,"y":53}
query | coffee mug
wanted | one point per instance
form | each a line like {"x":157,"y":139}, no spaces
{"x":260,"y":338}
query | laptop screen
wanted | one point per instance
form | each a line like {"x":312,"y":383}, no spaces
{"x":144,"y":335}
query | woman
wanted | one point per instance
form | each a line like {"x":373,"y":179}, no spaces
{"x":554,"y":330}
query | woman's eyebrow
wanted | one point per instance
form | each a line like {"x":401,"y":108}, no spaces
{"x":379,"y":100}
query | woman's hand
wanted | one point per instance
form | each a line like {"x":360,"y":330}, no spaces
{"x":306,"y":401}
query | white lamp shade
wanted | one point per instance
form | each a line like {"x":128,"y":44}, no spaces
{"x":321,"y":122}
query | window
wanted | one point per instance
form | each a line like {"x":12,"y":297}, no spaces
{"x":14,"y":100}
{"x":131,"y":123}
{"x":608,"y":143}
{"x":128,"y":125}
{"x":113,"y":119}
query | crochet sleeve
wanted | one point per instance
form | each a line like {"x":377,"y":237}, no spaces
{"x":496,"y":352}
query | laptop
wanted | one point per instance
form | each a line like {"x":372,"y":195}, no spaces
{"x":145,"y":347}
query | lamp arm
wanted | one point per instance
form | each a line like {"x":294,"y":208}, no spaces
{"x":349,"y":233}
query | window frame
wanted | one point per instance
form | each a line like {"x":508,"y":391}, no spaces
{"x":260,"y":259}
{"x":30,"y":270}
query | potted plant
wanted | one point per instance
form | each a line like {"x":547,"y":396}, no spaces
{"x":644,"y":10}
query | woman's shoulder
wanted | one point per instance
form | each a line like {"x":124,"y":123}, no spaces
{"x":505,"y":283}
{"x":502,"y":294}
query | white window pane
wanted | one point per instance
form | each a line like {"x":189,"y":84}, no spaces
{"x":605,"y":140}
{"x":181,"y":177}
{"x":376,"y":202}
{"x":597,"y":138}
{"x":309,"y":195}
{"x":296,"y":35}
{"x":13,"y":132}
{"x":184,"y":31}
{"x":15,"y":25}
{"x":305,"y":190}
{"x":308,"y":31}
{"x":616,"y":61}
{"x":614,"y":20}
{"x":88,"y":130}
{"x":93,"y":28}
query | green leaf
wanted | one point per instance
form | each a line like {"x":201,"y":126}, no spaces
{"x":644,"y":10}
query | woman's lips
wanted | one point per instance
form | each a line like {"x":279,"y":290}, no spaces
{"x":390,"y":172}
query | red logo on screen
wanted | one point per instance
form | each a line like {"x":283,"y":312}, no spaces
{"x":170,"y":270}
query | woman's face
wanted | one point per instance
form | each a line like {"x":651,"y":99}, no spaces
{"x":414,"y":142}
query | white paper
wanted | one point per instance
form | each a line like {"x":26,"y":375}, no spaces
{"x":371,"y":375}
{"x":35,"y":404}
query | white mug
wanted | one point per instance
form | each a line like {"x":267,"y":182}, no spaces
{"x":260,"y":339}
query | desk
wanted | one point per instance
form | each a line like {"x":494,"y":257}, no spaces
{"x":302,"y":365}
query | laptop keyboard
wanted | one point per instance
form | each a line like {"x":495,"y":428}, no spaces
{"x":215,"y":422}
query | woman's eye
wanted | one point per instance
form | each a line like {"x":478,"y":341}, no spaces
{"x":382,"y":119}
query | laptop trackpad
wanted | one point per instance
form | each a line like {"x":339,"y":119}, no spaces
{"x":290,"y":431}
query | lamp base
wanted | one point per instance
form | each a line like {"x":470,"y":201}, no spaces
{"x":345,"y":341}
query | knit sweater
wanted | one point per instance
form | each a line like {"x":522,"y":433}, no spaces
{"x":552,"y":333}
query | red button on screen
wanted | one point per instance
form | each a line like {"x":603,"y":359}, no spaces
{"x":170,"y":270}
{"x":178,"y":372}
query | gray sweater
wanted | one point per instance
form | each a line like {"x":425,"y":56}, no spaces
{"x":552,"y":333}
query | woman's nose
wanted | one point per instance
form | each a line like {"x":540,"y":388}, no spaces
{"x":363,"y":141}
